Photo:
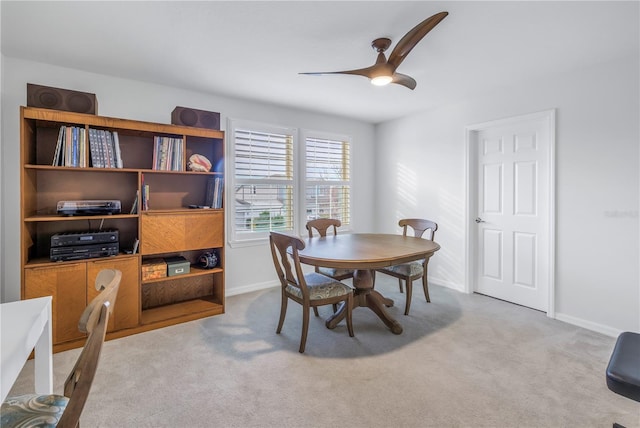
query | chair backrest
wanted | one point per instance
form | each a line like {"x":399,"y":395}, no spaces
{"x":322,"y":224}
{"x":94,"y":322}
{"x":280,"y":243}
{"x":419,"y":226}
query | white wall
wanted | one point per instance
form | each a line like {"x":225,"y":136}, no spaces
{"x":2,"y":192}
{"x":246,"y":268}
{"x":597,"y":185}
{"x":597,"y":254}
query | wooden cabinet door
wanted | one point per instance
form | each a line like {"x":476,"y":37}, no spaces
{"x":164,"y":232}
{"x":67,"y":284}
{"x":126,"y":313}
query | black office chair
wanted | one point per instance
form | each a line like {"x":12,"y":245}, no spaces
{"x":623,"y":371}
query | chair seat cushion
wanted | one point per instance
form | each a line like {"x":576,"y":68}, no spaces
{"x":335,"y":272}
{"x":33,"y":410}
{"x":407,"y":269}
{"x":623,"y":371}
{"x":320,"y":287}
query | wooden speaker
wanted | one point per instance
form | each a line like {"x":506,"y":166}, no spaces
{"x":198,"y":118}
{"x":61,"y":99}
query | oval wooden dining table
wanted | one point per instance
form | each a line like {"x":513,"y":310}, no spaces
{"x":366,"y":252}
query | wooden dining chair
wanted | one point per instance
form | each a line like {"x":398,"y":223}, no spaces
{"x":63,"y":411}
{"x":408,"y":272}
{"x":321,"y":225}
{"x":309,"y":290}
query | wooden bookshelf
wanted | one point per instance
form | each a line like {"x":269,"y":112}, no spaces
{"x":167,"y":228}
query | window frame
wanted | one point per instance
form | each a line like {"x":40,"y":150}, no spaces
{"x":299,"y":181}
{"x":321,"y":135}
{"x":253,"y":238}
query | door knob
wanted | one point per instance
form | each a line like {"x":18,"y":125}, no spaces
{"x":479,"y":220}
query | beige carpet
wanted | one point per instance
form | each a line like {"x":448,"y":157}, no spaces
{"x":462,"y":361}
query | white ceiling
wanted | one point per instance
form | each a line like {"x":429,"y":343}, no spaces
{"x":255,"y":50}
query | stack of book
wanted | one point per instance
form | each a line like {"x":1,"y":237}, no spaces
{"x":71,"y":147}
{"x":167,"y":153}
{"x":215,"y":187}
{"x":105,"y":149}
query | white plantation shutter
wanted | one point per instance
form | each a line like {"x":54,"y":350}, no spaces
{"x":327,"y":179}
{"x":261,"y":156}
{"x":279,"y":182}
{"x":263,"y":182}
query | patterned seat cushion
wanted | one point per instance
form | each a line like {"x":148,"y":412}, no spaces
{"x":407,"y":269}
{"x":320,"y":287}
{"x":26,"y":411}
{"x":335,"y":272}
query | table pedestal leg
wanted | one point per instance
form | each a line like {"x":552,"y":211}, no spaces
{"x":386,"y":301}
{"x":366,"y":296}
{"x":376,"y":302}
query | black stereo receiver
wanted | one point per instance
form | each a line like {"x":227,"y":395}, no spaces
{"x":79,"y":252}
{"x":84,"y":238}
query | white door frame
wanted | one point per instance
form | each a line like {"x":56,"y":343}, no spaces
{"x":471,"y":191}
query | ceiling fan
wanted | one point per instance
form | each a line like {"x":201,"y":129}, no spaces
{"x":384,"y":70}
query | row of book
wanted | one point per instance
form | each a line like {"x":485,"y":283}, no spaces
{"x":215,"y":187}
{"x":143,"y":200}
{"x":144,"y":197}
{"x":73,"y":149}
{"x":214,"y":192}
{"x":167,"y":153}
{"x":105,"y":149}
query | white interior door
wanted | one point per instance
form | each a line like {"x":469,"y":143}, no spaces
{"x":512,"y":236}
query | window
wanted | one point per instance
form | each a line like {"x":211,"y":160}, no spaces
{"x":270,"y":194}
{"x":327,"y":179}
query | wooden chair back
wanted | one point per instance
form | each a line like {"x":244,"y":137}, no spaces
{"x":419,"y":226}
{"x":322,"y":224}
{"x":280,"y":243}
{"x":94,"y":322}
{"x":284,"y":250}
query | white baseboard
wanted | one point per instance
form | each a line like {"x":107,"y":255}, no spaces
{"x":251,"y":287}
{"x":579,"y":322}
{"x":589,"y":325}
{"x":270,"y":284}
{"x":447,"y":284}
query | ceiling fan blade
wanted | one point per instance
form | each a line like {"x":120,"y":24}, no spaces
{"x":411,"y":39}
{"x":404,"y":80}
{"x":366,"y":72}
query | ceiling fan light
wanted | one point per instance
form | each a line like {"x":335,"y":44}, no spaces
{"x":381,"y":80}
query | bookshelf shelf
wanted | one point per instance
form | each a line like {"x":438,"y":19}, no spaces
{"x":58,"y":218}
{"x":167,"y":228}
{"x":117,"y":170}
{"x":193,"y":309}
{"x":182,"y":210}
{"x":79,"y":169}
{"x":45,"y":262}
{"x":157,"y":171}
{"x":195,"y":271}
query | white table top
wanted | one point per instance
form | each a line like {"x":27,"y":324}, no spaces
{"x":25,"y":325}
